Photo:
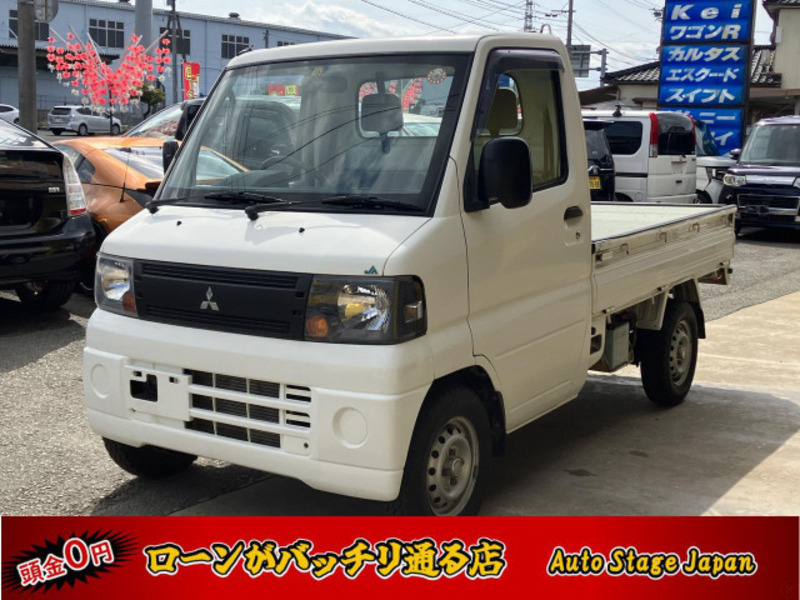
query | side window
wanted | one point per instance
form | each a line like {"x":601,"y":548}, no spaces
{"x":625,"y":137}
{"x":527,"y":104}
{"x":85,"y":111}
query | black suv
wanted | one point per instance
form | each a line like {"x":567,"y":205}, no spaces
{"x":765,"y":184}
{"x":45,"y":234}
{"x":601,"y":161}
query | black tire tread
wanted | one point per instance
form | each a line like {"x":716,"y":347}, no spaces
{"x":54,"y":295}
{"x":654,"y":347}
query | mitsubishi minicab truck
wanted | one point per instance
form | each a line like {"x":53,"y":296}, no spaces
{"x":331,"y":286}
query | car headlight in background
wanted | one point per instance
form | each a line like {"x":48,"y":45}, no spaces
{"x":369,"y":310}
{"x":797,"y":182}
{"x":734,"y":180}
{"x":113,"y":285}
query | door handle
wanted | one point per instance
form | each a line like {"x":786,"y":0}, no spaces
{"x":573,"y":212}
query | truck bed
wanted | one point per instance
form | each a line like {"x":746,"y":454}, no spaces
{"x":640,"y":250}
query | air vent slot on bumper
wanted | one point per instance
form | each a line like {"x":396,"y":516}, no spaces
{"x":249,"y":410}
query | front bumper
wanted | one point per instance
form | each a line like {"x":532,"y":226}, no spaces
{"x":53,"y":256}
{"x":765,"y":206}
{"x":337,"y":417}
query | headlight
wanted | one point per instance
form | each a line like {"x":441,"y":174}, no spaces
{"x":797,"y":182}
{"x":370,"y":310}
{"x":734,"y":180}
{"x":113,"y":285}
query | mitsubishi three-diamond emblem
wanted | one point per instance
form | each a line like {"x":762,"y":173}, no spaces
{"x":208,"y":303}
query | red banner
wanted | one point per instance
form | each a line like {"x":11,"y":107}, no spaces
{"x":191,"y":80}
{"x":647,"y":557}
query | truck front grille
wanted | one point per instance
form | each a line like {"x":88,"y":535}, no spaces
{"x":248,"y":410}
{"x":247,"y":301}
{"x":771,"y":201}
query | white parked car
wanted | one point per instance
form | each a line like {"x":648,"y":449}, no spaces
{"x":654,"y":154}
{"x":711,"y":166}
{"x":81,"y":120}
{"x":9,"y":113}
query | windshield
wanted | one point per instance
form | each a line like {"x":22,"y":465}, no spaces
{"x":773,"y":145}
{"x":161,"y":125}
{"x":310,"y":131}
{"x":597,"y":146}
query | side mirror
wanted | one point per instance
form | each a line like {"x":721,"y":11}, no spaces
{"x":190,"y":110}
{"x":505,"y":174}
{"x":735,"y":154}
{"x":168,"y":151}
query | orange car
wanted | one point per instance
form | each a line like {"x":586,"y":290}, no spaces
{"x":119,"y":176}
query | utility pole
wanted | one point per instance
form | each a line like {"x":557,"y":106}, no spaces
{"x":173,"y":23}
{"x":26,"y":48}
{"x":603,"y":63}
{"x":569,"y":23}
{"x":528,"y":26}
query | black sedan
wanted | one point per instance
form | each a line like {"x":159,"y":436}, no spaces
{"x":45,"y":233}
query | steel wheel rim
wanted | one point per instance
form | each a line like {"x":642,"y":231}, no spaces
{"x":452,"y":467}
{"x":680,"y":353}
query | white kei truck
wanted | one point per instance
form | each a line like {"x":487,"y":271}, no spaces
{"x":329,"y":287}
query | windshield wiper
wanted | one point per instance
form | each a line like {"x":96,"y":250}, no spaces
{"x":359,"y":201}
{"x":257,"y":202}
{"x":153,"y":205}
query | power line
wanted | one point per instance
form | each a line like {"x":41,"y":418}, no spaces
{"x":399,"y":14}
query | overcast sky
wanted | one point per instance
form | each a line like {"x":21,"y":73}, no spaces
{"x":626,"y":27}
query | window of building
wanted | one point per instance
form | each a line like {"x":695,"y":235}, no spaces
{"x":286,"y":44}
{"x":41,"y":30}
{"x":110,"y":34}
{"x":184,"y":40}
{"x":233,"y":44}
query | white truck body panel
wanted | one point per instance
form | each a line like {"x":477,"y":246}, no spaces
{"x":512,"y":292}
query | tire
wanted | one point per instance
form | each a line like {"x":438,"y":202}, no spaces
{"x":83,"y":129}
{"x":450,"y":452}
{"x":703,"y":198}
{"x":148,"y":462}
{"x":16,"y":121}
{"x":115,"y":130}
{"x":737,"y":227}
{"x":56,"y":131}
{"x":623,"y":198}
{"x":669,"y":356}
{"x":45,"y":296}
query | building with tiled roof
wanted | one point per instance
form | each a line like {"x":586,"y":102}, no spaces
{"x":774,"y":71}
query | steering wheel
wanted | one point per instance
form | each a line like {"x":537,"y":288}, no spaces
{"x":297,"y":168}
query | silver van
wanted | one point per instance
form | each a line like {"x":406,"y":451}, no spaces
{"x":81,"y":120}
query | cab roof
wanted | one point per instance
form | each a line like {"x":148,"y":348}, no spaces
{"x":410,"y":45}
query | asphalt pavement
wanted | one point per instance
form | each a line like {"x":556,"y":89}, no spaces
{"x":732,"y":448}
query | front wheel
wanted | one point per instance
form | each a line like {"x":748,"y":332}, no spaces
{"x":45,"y":295}
{"x":669,"y":356}
{"x":148,"y":461}
{"x":448,"y":462}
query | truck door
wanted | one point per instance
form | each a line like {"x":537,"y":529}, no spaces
{"x":529,"y":268}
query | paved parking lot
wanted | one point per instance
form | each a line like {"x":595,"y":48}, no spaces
{"x":733,"y":448}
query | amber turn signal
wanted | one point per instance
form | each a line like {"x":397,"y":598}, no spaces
{"x":317,"y":326}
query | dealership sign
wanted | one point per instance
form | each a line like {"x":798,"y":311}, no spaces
{"x":705,"y":64}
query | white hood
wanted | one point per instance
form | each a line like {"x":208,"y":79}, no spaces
{"x":300,"y":242}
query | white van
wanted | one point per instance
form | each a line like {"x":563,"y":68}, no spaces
{"x":654,"y":154}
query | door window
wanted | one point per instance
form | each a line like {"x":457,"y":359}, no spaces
{"x":526,"y":104}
